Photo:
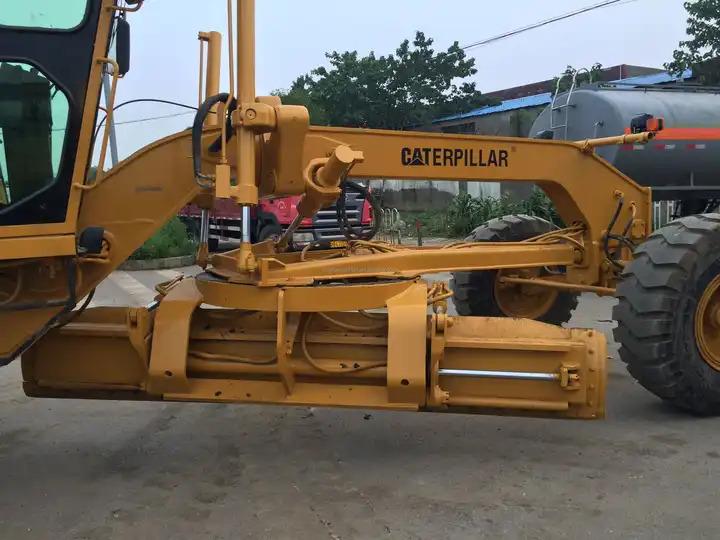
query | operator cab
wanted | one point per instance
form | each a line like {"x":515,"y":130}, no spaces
{"x":46,"y":61}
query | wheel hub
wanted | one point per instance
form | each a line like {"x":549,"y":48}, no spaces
{"x":707,"y":324}
{"x":521,"y":300}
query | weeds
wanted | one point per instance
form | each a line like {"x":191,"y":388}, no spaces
{"x":466,"y":213}
{"x":170,"y":241}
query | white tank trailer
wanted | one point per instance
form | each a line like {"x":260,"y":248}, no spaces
{"x":681,"y":164}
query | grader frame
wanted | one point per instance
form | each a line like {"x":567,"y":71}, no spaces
{"x":310,"y":328}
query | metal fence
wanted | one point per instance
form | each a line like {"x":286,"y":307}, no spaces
{"x":663,"y":213}
{"x":391,"y":227}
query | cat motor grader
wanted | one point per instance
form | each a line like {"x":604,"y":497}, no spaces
{"x":351,"y":327}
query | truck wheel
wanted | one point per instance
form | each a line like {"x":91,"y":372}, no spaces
{"x":482,"y":294}
{"x":669,"y":314}
{"x":270,"y":231}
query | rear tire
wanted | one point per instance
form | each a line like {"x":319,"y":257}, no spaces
{"x":659,"y":294}
{"x":475,"y":291}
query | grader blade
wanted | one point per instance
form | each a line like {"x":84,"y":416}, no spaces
{"x":402,"y":358}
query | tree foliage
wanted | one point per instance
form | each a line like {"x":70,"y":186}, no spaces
{"x":409,"y":88}
{"x":299,"y":95}
{"x":700,"y":52}
{"x":584,"y":76}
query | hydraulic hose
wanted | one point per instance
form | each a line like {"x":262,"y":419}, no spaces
{"x":341,"y":211}
{"x":229,"y":132}
{"x":609,"y":235}
{"x":197,"y":130}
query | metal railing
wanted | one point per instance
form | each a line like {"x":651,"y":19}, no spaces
{"x":663,"y":213}
{"x":391,"y":227}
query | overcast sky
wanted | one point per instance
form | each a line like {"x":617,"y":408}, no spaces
{"x":292,"y":37}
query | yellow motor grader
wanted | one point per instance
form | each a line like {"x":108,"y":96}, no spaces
{"x":349,"y":327}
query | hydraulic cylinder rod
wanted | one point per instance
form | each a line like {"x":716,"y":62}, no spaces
{"x":492,"y":374}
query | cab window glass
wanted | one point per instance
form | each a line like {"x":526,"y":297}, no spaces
{"x":45,"y":14}
{"x":33,"y":123}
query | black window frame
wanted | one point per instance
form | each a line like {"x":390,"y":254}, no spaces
{"x":65,"y":57}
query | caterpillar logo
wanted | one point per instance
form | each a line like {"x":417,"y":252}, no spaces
{"x":454,"y":157}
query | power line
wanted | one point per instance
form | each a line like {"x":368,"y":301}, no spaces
{"x":150,"y":118}
{"x":146,"y":119}
{"x":142,"y":100}
{"x":545,"y":22}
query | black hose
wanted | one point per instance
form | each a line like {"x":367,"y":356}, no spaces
{"x":623,"y":238}
{"x":347,"y":229}
{"x":608,"y":234}
{"x":229,"y":131}
{"x":203,"y":111}
{"x":197,"y":129}
{"x":76,"y":313}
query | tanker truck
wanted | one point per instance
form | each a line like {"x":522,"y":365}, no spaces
{"x":682,"y":164}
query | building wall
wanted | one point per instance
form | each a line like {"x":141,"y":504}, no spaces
{"x":420,"y":195}
{"x":515,"y":123}
{"x":614,"y":73}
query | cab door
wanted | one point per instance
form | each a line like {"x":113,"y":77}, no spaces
{"x":49,"y":90}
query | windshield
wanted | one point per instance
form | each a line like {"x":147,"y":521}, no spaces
{"x":45,"y":63}
{"x":45,"y":14}
{"x":33,"y":122}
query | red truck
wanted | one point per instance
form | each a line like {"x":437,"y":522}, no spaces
{"x":272,"y":216}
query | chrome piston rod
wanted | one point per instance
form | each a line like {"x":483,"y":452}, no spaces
{"x":487,"y":374}
{"x":246,"y":224}
{"x":204,"y":226}
{"x":287,"y":236}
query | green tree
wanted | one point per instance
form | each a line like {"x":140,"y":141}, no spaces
{"x":299,"y":95}
{"x":409,"y":88}
{"x":701,"y":51}
{"x":584,"y":76}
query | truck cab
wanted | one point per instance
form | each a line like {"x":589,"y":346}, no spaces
{"x":273,"y":216}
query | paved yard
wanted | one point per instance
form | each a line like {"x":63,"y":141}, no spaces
{"x":99,"y":470}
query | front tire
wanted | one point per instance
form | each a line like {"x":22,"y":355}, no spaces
{"x":669,"y":314}
{"x":478,"y":293}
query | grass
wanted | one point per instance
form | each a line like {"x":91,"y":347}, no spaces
{"x":466,"y":213}
{"x":170,"y":241}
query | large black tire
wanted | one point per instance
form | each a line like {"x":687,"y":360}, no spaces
{"x":659,"y":294}
{"x":474,"y":292}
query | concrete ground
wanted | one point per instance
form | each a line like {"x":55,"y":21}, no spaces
{"x":99,"y":470}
